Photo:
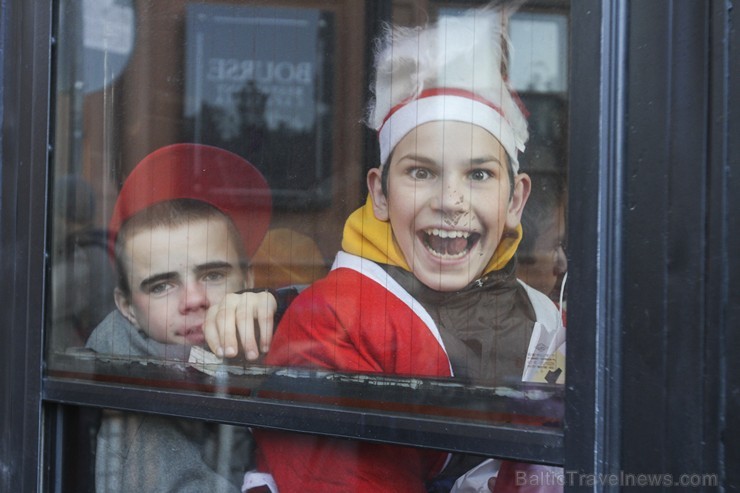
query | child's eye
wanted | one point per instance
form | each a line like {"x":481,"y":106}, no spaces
{"x":160,"y":288}
{"x":420,"y":173}
{"x":480,"y":175}
{"x":214,"y":276}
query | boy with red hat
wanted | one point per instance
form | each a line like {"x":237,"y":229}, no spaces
{"x":425,"y":284}
{"x":185,"y":225}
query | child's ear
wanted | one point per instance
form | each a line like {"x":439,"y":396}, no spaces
{"x":125,"y":307}
{"x":375,"y":187}
{"x":522,"y":188}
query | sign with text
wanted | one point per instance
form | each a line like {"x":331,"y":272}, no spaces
{"x":259,"y":83}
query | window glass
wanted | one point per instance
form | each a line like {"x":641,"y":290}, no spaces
{"x":204,"y":148}
{"x":127,"y":451}
{"x":213,"y":456}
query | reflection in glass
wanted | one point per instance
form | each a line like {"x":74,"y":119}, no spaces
{"x":283,"y":88}
{"x":258,"y":81}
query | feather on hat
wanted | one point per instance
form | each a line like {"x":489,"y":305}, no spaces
{"x":451,"y":70}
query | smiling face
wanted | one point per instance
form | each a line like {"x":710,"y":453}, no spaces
{"x":448,"y":201}
{"x":175,"y":274}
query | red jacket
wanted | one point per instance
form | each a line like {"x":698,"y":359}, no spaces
{"x":357,"y":319}
{"x":349,"y":321}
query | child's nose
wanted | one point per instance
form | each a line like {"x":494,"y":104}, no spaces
{"x":194,"y":297}
{"x":454,"y":197}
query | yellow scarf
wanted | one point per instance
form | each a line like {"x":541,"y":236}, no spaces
{"x":368,"y":237}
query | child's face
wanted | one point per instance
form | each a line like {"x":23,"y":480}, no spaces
{"x":175,"y":274}
{"x":448,"y":201}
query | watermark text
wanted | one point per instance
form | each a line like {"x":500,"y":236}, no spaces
{"x":558,"y":477}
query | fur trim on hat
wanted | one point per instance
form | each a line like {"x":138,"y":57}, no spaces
{"x":457,"y":53}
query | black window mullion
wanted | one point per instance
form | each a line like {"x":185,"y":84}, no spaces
{"x":665,"y":214}
{"x":594,"y":241}
{"x":24,"y":114}
{"x":723,"y":419}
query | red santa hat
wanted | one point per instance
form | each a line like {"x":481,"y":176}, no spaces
{"x":451,"y":70}
{"x":200,"y":172}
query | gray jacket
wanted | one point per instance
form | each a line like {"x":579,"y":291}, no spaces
{"x":142,"y":453}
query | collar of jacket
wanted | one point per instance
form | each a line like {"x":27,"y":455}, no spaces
{"x":502,"y":280}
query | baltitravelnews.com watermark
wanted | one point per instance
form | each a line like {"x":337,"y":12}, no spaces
{"x":556,"y":477}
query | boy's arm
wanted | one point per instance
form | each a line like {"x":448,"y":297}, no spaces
{"x":231,"y":324}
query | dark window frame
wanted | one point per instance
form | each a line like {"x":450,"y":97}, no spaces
{"x":612,"y":407}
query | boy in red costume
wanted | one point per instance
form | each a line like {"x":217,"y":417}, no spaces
{"x":425,"y":284}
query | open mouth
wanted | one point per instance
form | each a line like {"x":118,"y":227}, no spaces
{"x":449,"y":244}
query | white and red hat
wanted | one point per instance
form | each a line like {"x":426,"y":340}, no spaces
{"x":451,"y":70}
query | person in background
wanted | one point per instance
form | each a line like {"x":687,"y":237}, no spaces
{"x":542,"y":262}
{"x":82,"y":276}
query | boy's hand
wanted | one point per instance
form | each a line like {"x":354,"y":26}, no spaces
{"x":236,"y":314}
